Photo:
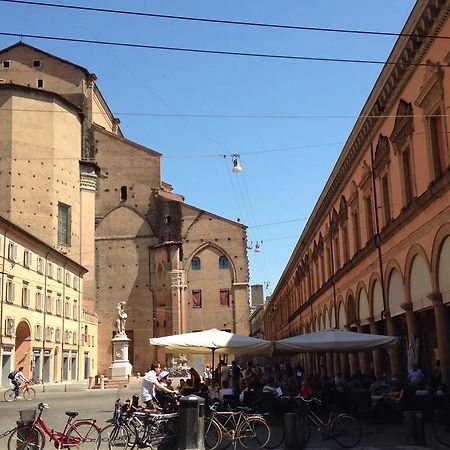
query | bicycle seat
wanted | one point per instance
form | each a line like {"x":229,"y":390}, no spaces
{"x":72,"y":414}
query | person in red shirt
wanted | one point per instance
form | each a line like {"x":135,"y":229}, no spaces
{"x":305,"y":390}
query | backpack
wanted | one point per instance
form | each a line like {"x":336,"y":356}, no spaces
{"x":12,"y":375}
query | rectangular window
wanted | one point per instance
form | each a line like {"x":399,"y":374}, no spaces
{"x":196,"y":298}
{"x":76,"y":283}
{"x":25,"y":296}
{"x":50,"y":270}
{"x":407,"y":176}
{"x":58,"y":335}
{"x":38,"y":333}
{"x":356,"y":232}
{"x":224,"y":297}
{"x":38,"y":299}
{"x":6,"y":64}
{"x":369,"y":217}
{"x":345,"y":242}
{"x":40,"y":265}
{"x":12,"y":251}
{"x":336,"y":250}
{"x":386,"y":199}
{"x":49,"y":304}
{"x":67,"y":309}
{"x":75,"y":311}
{"x":58,"y":305}
{"x":36,"y":63}
{"x":64,"y":224}
{"x":10,"y":291}
{"x":59,"y":274}
{"x":27,"y":259}
{"x":437,"y":137}
{"x":40,"y":83}
{"x":67,"y":279}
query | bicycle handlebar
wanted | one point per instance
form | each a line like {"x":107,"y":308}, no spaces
{"x":43,"y":405}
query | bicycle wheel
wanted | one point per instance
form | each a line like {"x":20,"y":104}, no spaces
{"x":26,"y":438}
{"x":9,"y":395}
{"x":115,"y":436}
{"x":213,"y":434}
{"x":84,"y":435}
{"x":253,"y":433}
{"x":441,"y":427}
{"x":28,"y":393}
{"x":346,"y":431}
{"x":170,"y":437}
{"x":276,"y":431}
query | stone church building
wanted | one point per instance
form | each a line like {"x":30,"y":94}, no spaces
{"x":62,"y":152}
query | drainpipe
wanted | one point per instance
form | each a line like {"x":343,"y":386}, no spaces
{"x":80,"y":317}
{"x":63,"y":331}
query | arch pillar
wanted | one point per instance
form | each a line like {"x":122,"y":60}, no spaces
{"x":442,"y":334}
{"x":393,"y":352}
{"x":363,"y":359}
{"x":377,"y":357}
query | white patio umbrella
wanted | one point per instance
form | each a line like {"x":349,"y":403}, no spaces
{"x":333,"y":341}
{"x":212,"y":341}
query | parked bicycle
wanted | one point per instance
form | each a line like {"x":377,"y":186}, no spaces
{"x":30,"y":435}
{"x":135,"y":428}
{"x":343,"y":428}
{"x":224,"y":427}
{"x":25,"y":391}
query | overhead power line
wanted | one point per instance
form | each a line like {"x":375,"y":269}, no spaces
{"x":218,"y":52}
{"x":222,"y":21}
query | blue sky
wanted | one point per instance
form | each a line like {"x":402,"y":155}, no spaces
{"x":286,"y":160}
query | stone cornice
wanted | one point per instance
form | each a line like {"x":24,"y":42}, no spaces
{"x":426,"y":19}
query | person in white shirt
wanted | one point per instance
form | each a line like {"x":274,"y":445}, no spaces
{"x":149,"y":385}
{"x":18,"y":377}
{"x":226,"y":390}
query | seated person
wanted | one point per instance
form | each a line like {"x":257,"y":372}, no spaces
{"x":166,"y":400}
{"x":390,"y":405}
{"x":305,"y":390}
{"x":226,"y":389}
{"x":270,"y":386}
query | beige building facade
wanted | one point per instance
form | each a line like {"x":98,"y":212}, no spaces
{"x":63,"y":153}
{"x":44,"y":326}
{"x":374,"y":256}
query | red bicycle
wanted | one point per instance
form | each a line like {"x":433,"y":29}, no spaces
{"x":81,"y":433}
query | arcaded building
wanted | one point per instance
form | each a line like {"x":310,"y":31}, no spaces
{"x":374,"y":256}
{"x":63,"y":155}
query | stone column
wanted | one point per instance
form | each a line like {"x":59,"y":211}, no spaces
{"x":410,"y":322}
{"x":353,"y":360}
{"x":329,"y":364}
{"x":393,"y":351}
{"x":336,"y":363}
{"x":377,"y":357}
{"x":363,"y":359}
{"x":442,"y":335}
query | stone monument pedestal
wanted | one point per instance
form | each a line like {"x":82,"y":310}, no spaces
{"x":121,"y":367}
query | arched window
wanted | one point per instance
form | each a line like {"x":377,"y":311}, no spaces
{"x":223,"y":262}
{"x":196,"y":263}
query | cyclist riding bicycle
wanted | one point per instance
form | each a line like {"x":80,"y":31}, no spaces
{"x":19,"y":376}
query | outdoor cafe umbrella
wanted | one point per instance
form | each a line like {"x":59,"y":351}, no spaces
{"x":333,"y":341}
{"x":212,"y":341}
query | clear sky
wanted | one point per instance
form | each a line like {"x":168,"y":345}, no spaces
{"x":287,"y":119}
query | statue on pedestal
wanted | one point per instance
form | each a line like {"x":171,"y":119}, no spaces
{"x":121,"y":320}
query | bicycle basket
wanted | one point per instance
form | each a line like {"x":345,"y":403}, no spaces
{"x":27,"y":415}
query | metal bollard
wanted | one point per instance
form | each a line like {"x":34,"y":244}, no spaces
{"x":191,"y":423}
{"x":102,"y":382}
{"x":292,"y":434}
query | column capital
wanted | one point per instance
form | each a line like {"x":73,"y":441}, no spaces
{"x":436,"y":298}
{"x":387,"y":314}
{"x":407,"y":307}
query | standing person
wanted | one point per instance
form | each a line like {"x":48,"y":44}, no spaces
{"x":415,"y":377}
{"x":249,"y":375}
{"x":224,"y":372}
{"x":149,"y":385}
{"x":207,"y":373}
{"x":235,"y":377}
{"x":436,"y":376}
{"x":195,"y":378}
{"x":18,"y":376}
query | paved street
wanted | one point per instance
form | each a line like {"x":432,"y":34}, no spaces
{"x":99,"y":404}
